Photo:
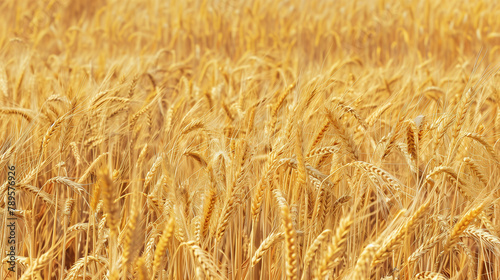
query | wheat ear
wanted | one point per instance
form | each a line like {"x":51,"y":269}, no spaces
{"x":205,"y":261}
{"x":311,"y":251}
{"x":335,"y":249}
{"x":320,"y":134}
{"x":290,"y":238}
{"x":362,"y":268}
{"x":266,"y":244}
{"x":37,"y":265}
{"x":462,"y":225}
{"x":395,"y":239}
{"x":162,"y":244}
{"x":430,"y":276}
{"x":131,"y":244}
{"x":142,"y":271}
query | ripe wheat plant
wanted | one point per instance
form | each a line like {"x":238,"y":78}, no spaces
{"x":250,"y":139}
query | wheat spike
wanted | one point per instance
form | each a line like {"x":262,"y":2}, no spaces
{"x":162,"y":244}
{"x":290,"y":237}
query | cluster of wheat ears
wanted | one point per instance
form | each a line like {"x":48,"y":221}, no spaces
{"x":251,"y":139}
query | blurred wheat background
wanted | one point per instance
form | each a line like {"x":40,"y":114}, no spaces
{"x":206,"y":139}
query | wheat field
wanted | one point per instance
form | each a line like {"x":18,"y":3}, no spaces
{"x":206,"y":139}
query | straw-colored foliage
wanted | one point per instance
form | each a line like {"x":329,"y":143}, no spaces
{"x":251,"y":139}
